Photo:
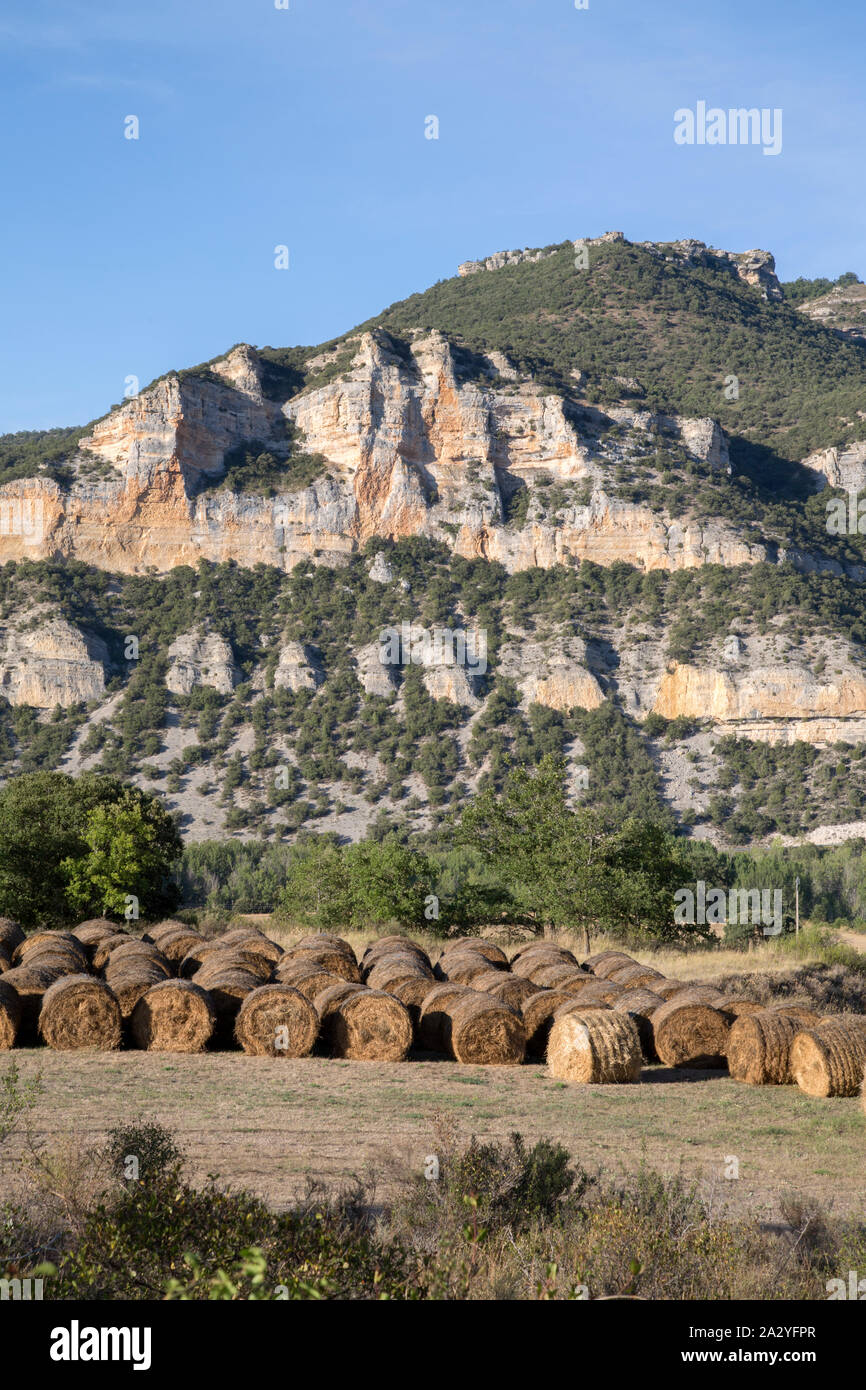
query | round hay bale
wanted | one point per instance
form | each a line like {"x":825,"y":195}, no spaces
{"x":323,"y":958}
{"x":94,"y":929}
{"x":101,"y":952}
{"x":636,"y":976}
{"x":605,"y":962}
{"x":164,"y":928}
{"x":394,"y":970}
{"x":369,"y":1026}
{"x":80,"y":1011}
{"x":195,"y":959}
{"x":130,"y":980}
{"x":690,"y":1035}
{"x":845,"y":1020}
{"x":11,"y":934}
{"x":232,"y":958}
{"x":799,"y":1012}
{"x":10,"y":1015}
{"x":138,"y":950}
{"x":596,"y":1047}
{"x":483,"y":1031}
{"x":173,"y":1016}
{"x":640,"y":1004}
{"x":530,"y":963}
{"x":575,"y":1005}
{"x":533,"y":947}
{"x":433,"y":1017}
{"x":736,"y":1006}
{"x":175,"y":945}
{"x":386,"y":945}
{"x":252,"y":943}
{"x":276,"y":1021}
{"x":30,"y":983}
{"x":699,"y":994}
{"x":463,"y":967}
{"x":828,"y":1060}
{"x":413,"y":994}
{"x":327,"y":1000}
{"x":310,"y":979}
{"x":228,"y":989}
{"x":538,"y":1013}
{"x":55,"y":961}
{"x":549,"y":975}
{"x":511,"y":989}
{"x":599,"y":991}
{"x":488,"y":949}
{"x":325,"y":938}
{"x":57,"y":941}
{"x":759,"y":1048}
{"x":666,"y":989}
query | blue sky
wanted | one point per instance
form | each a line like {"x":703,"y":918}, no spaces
{"x":305,"y":127}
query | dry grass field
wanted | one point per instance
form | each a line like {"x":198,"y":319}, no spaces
{"x":270,"y":1125}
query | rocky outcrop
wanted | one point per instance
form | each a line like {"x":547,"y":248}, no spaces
{"x":298,"y":668}
{"x":759,"y":702}
{"x":843,"y":308}
{"x":200,"y":658}
{"x":555,"y":674}
{"x":502,"y":258}
{"x":377,"y":677}
{"x":757,"y":268}
{"x":51,"y":664}
{"x":839,"y":467}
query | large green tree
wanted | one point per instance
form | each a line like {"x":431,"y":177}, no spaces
{"x":72,"y":847}
{"x":574,"y":868}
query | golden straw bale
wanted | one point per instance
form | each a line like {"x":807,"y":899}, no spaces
{"x":488,"y":949}
{"x":545,"y":947}
{"x":175,"y":945}
{"x":276,"y":1021}
{"x":845,"y":1020}
{"x":801,"y":1013}
{"x":128,"y":980}
{"x":828,"y":1060}
{"x":666,"y":989}
{"x":336,"y":962}
{"x":636,"y":976}
{"x":529,"y":963}
{"x":228,"y":989}
{"x":759,"y":1048}
{"x":58,"y":941}
{"x":433,"y":1016}
{"x":10,"y":1015}
{"x":164,"y":928}
{"x":462,"y":967}
{"x":310,"y":979}
{"x":736,"y":1006}
{"x":369,"y":1026}
{"x":30,"y":983}
{"x":173,"y":1016}
{"x":511,"y":989}
{"x":640,"y":1004}
{"x":690,"y":1034}
{"x":596,"y":1047}
{"x":195,"y":959}
{"x":80,"y":1011}
{"x":102,"y":950}
{"x":251,"y":942}
{"x":328,"y":999}
{"x":538,"y":1013}
{"x":549,"y":975}
{"x":393,"y":969}
{"x":484,"y":1031}
{"x":606,"y":962}
{"x":600,"y":991}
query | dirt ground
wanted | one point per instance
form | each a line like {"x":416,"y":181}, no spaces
{"x":270,"y":1124}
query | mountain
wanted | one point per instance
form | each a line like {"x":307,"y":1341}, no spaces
{"x":617,"y":463}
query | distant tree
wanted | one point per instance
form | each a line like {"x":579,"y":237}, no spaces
{"x":578,"y":869}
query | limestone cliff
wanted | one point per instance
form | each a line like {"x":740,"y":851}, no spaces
{"x":51,"y":663}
